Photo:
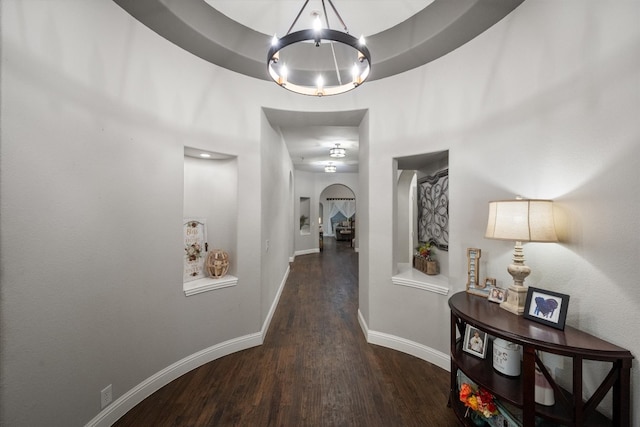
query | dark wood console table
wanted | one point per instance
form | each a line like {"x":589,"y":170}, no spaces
{"x":569,"y":409}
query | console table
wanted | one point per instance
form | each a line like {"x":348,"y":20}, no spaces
{"x":569,"y":409}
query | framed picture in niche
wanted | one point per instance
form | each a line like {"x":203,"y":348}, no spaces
{"x":433,"y":210}
{"x":195,"y":248}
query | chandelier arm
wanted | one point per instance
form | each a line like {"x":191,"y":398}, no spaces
{"x":338,"y":15}
{"x":297,"y":17}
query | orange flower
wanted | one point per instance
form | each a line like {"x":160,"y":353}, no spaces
{"x":480,"y":401}
{"x":465,"y":392}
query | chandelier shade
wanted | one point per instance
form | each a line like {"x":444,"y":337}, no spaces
{"x":318,"y":61}
{"x":330,"y":168}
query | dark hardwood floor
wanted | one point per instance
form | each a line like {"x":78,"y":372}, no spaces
{"x":315,"y":367}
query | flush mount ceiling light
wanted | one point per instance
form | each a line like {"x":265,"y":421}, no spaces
{"x":337,"y":151}
{"x":330,"y":168}
{"x":319,"y":61}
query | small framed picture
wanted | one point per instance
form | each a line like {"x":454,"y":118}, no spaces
{"x":489,"y":282}
{"x":475,"y":341}
{"x":474,"y":285}
{"x":547,"y":307}
{"x":496,"y":294}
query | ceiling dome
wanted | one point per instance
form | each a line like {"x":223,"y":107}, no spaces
{"x":425,"y":34}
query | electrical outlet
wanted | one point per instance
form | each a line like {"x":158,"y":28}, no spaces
{"x":266,"y":246}
{"x":106,"y":395}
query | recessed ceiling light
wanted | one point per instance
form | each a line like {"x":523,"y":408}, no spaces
{"x":205,"y":155}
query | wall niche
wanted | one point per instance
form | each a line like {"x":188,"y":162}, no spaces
{"x":421,"y":190}
{"x":211,"y":199}
{"x":305,"y":216}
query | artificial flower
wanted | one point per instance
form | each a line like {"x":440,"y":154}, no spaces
{"x":479,"y":400}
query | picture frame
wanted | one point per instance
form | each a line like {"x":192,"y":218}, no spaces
{"x":474,"y":286}
{"x":496,"y":294}
{"x":489,"y":282}
{"x":546,"y":307}
{"x":194,"y":232}
{"x":475,"y":341}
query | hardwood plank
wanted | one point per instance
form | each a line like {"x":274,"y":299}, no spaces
{"x":315,"y":367}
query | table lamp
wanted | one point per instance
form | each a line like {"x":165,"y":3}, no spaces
{"x":521,"y":220}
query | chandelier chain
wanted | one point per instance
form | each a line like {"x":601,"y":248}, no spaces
{"x":297,"y":17}
{"x":346,"y":30}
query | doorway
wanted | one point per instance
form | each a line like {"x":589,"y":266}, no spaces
{"x":338,"y":219}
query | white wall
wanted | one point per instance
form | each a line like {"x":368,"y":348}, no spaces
{"x":96,"y":109}
{"x":277,"y":213}
{"x":545,"y":104}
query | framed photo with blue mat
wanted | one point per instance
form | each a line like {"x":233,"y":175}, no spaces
{"x":546,"y":307}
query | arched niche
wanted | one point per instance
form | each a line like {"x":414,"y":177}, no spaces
{"x":412,"y":171}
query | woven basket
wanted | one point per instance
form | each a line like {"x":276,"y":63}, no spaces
{"x":425,"y":266}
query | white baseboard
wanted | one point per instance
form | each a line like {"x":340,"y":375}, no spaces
{"x":413,"y":348}
{"x":307,"y":251}
{"x":130,"y":399}
{"x":274,"y":304}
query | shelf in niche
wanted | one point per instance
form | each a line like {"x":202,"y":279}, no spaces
{"x":208,"y":284}
{"x":409,"y":276}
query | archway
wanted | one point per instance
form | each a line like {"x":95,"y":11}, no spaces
{"x":338,"y":218}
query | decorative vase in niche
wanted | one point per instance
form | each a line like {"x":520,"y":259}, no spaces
{"x":217,"y":263}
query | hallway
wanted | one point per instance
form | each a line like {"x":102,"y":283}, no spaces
{"x":315,"y":367}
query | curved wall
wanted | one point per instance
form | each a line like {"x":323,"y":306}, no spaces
{"x":96,"y":109}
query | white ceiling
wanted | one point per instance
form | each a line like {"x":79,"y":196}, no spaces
{"x":362,"y":17}
{"x":401,"y":35}
{"x":310,"y":136}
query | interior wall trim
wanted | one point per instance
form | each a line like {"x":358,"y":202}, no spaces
{"x":130,"y":399}
{"x":274,"y":305}
{"x":403,"y":345}
{"x":307,"y":251}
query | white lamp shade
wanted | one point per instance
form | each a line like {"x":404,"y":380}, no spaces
{"x":521,"y":220}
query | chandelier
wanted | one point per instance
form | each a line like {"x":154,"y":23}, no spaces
{"x":319,"y":61}
{"x":337,"y":151}
{"x":330,"y":168}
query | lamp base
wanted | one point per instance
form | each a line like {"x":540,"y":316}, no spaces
{"x":516,"y":298}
